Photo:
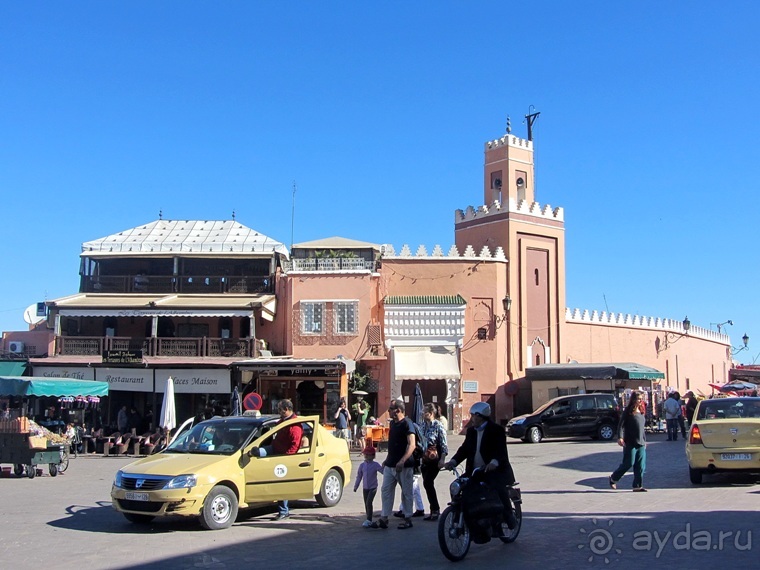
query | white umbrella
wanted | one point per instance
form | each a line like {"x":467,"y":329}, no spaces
{"x":168,"y":411}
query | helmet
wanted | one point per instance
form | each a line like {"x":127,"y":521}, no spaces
{"x":481,"y":408}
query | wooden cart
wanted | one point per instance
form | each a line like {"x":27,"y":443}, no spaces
{"x":25,"y":452}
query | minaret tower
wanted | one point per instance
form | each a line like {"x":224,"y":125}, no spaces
{"x":533,"y":239}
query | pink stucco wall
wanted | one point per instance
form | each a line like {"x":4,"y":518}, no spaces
{"x":689,"y":363}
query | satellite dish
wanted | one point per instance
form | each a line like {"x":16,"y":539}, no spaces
{"x":30,"y":315}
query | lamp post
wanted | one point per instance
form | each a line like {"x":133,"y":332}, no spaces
{"x":745,"y":341}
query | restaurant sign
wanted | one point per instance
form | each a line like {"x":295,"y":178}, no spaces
{"x":195,"y":380}
{"x":300,"y":371}
{"x":122,"y":356}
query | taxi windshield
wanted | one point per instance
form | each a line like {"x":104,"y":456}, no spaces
{"x":215,"y":438}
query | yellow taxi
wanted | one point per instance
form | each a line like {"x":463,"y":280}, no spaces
{"x":217,"y":467}
{"x":724,"y":436}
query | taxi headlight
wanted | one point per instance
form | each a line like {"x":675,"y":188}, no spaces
{"x":182,"y":482}
{"x":455,"y":488}
{"x":117,"y":481}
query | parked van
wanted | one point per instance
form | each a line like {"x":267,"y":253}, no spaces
{"x":592,"y":415}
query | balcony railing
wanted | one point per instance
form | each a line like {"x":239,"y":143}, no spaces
{"x":329,"y":264}
{"x":189,"y":347}
{"x":163,"y":284}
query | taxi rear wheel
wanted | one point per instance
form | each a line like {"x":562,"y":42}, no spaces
{"x":331,"y":490}
{"x":219,"y":509}
{"x":695,"y":476}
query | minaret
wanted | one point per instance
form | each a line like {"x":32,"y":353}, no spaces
{"x":508,"y":170}
{"x":533,"y":239}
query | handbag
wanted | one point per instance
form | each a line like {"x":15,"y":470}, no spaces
{"x":431,"y":454}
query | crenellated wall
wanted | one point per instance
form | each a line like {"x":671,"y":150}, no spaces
{"x":638,"y":321}
{"x":389,"y":252}
{"x":523,"y":207}
{"x":690,"y":360}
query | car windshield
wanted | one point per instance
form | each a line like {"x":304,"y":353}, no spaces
{"x":729,"y":408}
{"x":214,"y":437}
{"x":544,"y":406}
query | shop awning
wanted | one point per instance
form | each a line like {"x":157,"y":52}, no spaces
{"x":142,"y":305}
{"x":426,"y":363}
{"x":12,"y":368}
{"x":634,"y":371}
{"x":35,"y":386}
{"x":617,"y":371}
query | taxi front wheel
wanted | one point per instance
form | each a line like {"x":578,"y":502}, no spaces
{"x":331,"y":490}
{"x":219,"y":509}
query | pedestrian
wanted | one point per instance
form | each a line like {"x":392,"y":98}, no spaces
{"x":361,"y":411}
{"x":367,"y":475}
{"x":632,"y":439}
{"x":342,"y":417}
{"x":691,"y":406}
{"x":122,"y":420}
{"x":398,"y":467}
{"x":441,"y":418}
{"x":434,"y":457}
{"x":672,"y":409}
{"x":287,"y":442}
{"x":681,"y":413}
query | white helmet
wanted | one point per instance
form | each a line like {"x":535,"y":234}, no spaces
{"x":481,"y":408}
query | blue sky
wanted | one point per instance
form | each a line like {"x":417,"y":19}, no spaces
{"x":113,"y":111}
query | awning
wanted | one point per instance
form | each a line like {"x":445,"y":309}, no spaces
{"x":617,"y":371}
{"x":426,"y":363}
{"x":142,"y":305}
{"x":34,"y":386}
{"x":634,"y":371}
{"x":301,"y":367}
{"x":12,"y":368}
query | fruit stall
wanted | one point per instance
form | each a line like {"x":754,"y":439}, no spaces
{"x":23,"y":443}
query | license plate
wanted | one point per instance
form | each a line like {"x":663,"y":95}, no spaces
{"x":136,"y":496}
{"x":736,"y":456}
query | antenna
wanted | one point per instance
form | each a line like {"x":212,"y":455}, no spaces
{"x":605,"y":303}
{"x":293,"y":216}
{"x":531,"y":118}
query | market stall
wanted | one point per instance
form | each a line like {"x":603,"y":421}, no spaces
{"x":25,"y":444}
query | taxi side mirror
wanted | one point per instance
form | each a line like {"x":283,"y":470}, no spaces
{"x":255,"y":452}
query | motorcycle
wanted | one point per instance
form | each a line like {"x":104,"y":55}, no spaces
{"x":475,"y":514}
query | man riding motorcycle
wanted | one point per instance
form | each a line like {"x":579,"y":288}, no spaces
{"x":485,"y":446}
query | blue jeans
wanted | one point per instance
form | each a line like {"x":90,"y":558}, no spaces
{"x":282,"y":507}
{"x":672,"y":426}
{"x":636,"y":457}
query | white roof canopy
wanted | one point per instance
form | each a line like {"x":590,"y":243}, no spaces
{"x":163,"y":237}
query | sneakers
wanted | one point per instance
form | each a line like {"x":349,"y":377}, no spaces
{"x":406,"y":524}
{"x":367,"y":524}
{"x":433,"y":516}
{"x":399,"y":514}
{"x":419,"y":514}
{"x":282,"y":516}
{"x":381,"y":523}
{"x":613,"y":484}
{"x":639,"y":490}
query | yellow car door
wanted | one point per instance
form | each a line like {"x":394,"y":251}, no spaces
{"x":276,"y":477}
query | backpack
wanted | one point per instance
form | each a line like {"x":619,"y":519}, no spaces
{"x":420,"y":444}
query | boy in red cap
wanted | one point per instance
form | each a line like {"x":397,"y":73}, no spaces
{"x":368,"y":471}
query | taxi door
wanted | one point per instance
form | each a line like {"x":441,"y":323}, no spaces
{"x":281,"y":477}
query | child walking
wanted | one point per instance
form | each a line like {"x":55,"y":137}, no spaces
{"x":368,"y":471}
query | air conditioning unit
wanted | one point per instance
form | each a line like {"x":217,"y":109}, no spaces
{"x":16,"y":347}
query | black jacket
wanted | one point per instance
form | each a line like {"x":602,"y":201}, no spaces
{"x":492,"y":446}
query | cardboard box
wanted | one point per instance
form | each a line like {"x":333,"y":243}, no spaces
{"x":37,"y":442}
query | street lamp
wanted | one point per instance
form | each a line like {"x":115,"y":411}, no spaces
{"x":506,"y":302}
{"x":673,"y":337}
{"x":745,"y":341}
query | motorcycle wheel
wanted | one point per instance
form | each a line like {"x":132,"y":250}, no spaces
{"x":453,"y":540}
{"x":510,"y":535}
